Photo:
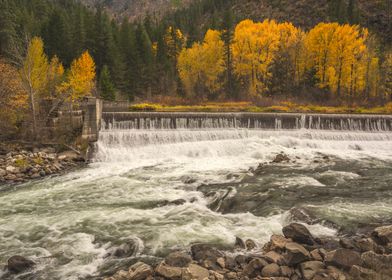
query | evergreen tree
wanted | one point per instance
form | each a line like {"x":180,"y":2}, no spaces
{"x":107,"y":91}
{"x":227,"y":37}
{"x":57,"y":37}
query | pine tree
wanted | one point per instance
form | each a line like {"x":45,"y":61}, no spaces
{"x":107,"y":91}
{"x":227,"y":37}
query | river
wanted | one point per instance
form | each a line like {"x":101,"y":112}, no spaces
{"x":163,"y":189}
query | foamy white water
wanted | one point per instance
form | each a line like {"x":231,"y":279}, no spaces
{"x":125,"y":194}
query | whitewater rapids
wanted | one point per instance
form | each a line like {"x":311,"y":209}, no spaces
{"x":119,"y":198}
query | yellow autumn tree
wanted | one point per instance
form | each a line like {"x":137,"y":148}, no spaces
{"x":80,"y":78}
{"x":34,"y":75}
{"x":54,"y":78}
{"x":319,"y":43}
{"x":254,"y":48}
{"x":291,"y":50}
{"x":201,"y":66}
{"x":339,"y":55}
{"x":13,"y":97}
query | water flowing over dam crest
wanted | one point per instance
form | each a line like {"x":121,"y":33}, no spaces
{"x":162,"y":181}
{"x":129,"y":120}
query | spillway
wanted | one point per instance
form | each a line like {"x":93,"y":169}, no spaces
{"x":162,"y":181}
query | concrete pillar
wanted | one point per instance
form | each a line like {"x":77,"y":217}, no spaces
{"x":92,"y":115}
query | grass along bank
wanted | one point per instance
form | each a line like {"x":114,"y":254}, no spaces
{"x":284,"y":107}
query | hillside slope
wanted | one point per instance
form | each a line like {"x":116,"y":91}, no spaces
{"x":375,"y":14}
{"x":135,"y":9}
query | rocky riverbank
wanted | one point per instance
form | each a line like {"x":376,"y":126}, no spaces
{"x":294,"y":255}
{"x":19,"y":164}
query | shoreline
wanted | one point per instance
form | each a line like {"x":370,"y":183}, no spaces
{"x":294,"y":255}
{"x":22,"y":163}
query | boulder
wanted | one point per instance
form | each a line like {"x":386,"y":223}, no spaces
{"x":271,"y":270}
{"x":239,"y":243}
{"x":230,"y":263}
{"x":169,"y":272}
{"x":126,"y":250}
{"x":70,"y":156}
{"x":336,"y":274}
{"x":215,"y":275}
{"x":298,"y":233}
{"x":286,"y":271}
{"x":377,"y":262}
{"x":17,"y":264}
{"x":178,"y":259}
{"x":316,"y":255}
{"x":281,"y":158}
{"x":241,"y":260}
{"x":254,"y":267}
{"x":278,"y":243}
{"x":232,"y":276}
{"x":140,"y":271}
{"x":343,"y":258}
{"x":295,"y":254}
{"x":360,"y":273}
{"x":12,"y":169}
{"x":310,"y":269}
{"x":383,"y":235}
{"x":205,"y":255}
{"x":2,"y":172}
{"x":250,"y":244}
{"x":221,"y":262}
{"x":274,"y":257}
{"x":195,"y":272}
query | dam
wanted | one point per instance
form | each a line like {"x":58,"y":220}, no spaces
{"x":267,"y":121}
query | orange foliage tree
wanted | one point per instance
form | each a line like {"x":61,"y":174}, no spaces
{"x":13,"y":97}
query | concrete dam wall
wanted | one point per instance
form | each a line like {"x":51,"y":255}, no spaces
{"x":261,"y":121}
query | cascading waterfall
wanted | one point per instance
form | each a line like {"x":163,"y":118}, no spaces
{"x":122,"y":133}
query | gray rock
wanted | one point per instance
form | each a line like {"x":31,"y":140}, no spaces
{"x":281,"y":158}
{"x":239,"y":243}
{"x":383,"y":235}
{"x":278,"y":243}
{"x":343,"y":258}
{"x":298,"y":233}
{"x":205,"y":255}
{"x":377,"y":262}
{"x":360,"y":273}
{"x":10,"y":177}
{"x":286,"y":271}
{"x":12,"y":169}
{"x":271,"y":270}
{"x":18,"y":264}
{"x":2,"y":172}
{"x":250,"y":244}
{"x":295,"y":254}
{"x":253,"y":268}
{"x":316,"y":255}
{"x":310,"y":269}
{"x":35,"y":176}
{"x":169,"y":272}
{"x":178,"y":259}
{"x":274,"y":257}
{"x":195,"y":272}
{"x":140,"y":271}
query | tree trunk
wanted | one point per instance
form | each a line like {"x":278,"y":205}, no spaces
{"x":32,"y":101}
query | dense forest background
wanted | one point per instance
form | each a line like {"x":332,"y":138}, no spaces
{"x":138,"y":58}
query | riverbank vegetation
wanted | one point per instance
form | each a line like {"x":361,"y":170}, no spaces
{"x":280,"y":107}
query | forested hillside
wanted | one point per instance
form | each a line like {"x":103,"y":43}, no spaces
{"x":315,"y":51}
{"x":375,"y":14}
